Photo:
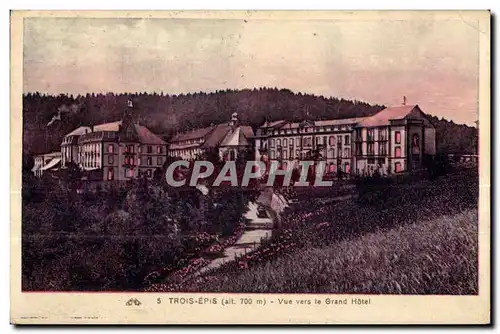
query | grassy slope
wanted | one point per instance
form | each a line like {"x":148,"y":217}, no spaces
{"x":433,"y":257}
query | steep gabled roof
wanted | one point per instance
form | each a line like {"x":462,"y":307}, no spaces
{"x":217,"y":135}
{"x":247,"y":131}
{"x":343,"y":121}
{"x":147,"y":137}
{"x":113,"y":126}
{"x":330,"y":122}
{"x":144,"y":135}
{"x":388,"y":114}
{"x":197,"y":133}
{"x":274,"y":124}
{"x":79,"y":131}
{"x":235,"y":138}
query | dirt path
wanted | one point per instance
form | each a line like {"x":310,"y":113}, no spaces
{"x":257,"y":229}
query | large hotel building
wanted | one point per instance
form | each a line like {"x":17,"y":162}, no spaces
{"x":394,"y":140}
{"x":120,"y":150}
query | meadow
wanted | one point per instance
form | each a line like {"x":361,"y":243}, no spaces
{"x":394,"y":237}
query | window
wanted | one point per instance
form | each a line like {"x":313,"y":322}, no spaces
{"x":285,"y":155}
{"x":371,"y":161}
{"x":339,"y":140}
{"x":382,"y":134}
{"x":110,"y":173}
{"x":324,"y":140}
{"x":138,"y":161}
{"x":150,"y":161}
{"x":382,"y":149}
{"x":297,"y":141}
{"x":150,"y":149}
{"x":130,"y":148}
{"x":397,"y":152}
{"x":347,"y":140}
{"x":381,"y":161}
{"x":272,"y":143}
{"x":110,"y":148}
{"x":331,"y":140}
{"x":160,"y":161}
{"x":130,"y":173}
{"x":370,"y":135}
{"x":297,"y":154}
{"x":285,"y":142}
{"x":398,"y":137}
{"x":358,"y":135}
{"x":331,"y":153}
{"x":139,"y":149}
{"x":278,"y":142}
{"x":318,"y":140}
{"x":347,"y":168}
{"x":271,"y":154}
{"x":148,"y":172}
{"x":159,"y":149}
{"x":397,"y":167}
{"x":371,"y":149}
{"x":359,"y":149}
{"x":347,"y":152}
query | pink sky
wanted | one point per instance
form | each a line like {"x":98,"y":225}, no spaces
{"x":433,"y":62}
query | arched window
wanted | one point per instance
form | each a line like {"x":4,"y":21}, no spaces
{"x":278,"y":142}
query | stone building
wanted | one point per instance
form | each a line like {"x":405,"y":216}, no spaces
{"x":119,"y":150}
{"x":228,"y":139}
{"x":394,"y":140}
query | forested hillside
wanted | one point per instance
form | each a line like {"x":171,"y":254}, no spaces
{"x":167,"y":114}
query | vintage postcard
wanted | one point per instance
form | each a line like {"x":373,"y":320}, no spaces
{"x":250,"y":167}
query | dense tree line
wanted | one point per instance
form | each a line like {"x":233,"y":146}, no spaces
{"x":167,"y":114}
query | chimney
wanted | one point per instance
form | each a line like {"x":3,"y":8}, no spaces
{"x":404,"y":100}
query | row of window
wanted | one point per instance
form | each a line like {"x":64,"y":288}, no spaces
{"x":330,"y":168}
{"x":382,"y":135}
{"x":131,"y":161}
{"x":131,"y":149}
{"x":330,"y":154}
{"x":127,"y":173}
{"x":382,"y":149}
{"x":307,"y":141}
{"x":306,"y":129}
{"x":190,"y":141}
{"x":183,"y":153}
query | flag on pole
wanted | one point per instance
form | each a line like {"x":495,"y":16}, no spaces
{"x":130,"y":105}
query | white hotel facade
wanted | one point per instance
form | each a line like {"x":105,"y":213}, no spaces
{"x":394,"y":140}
